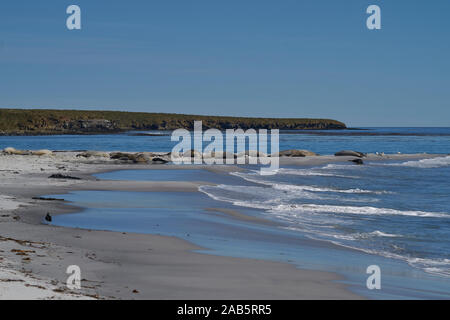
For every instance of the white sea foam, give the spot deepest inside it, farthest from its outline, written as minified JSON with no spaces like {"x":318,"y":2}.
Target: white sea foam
{"x":335,"y":221}
{"x":426,"y":163}
{"x":311,"y":172}
{"x":290,"y":187}
{"x":323,"y":189}
{"x":366,"y":210}
{"x":333,"y":166}
{"x":269,"y":201}
{"x":440,"y":262}
{"x":378,"y":233}
{"x":357,"y":236}
{"x":435,"y":266}
{"x":440,"y":267}
{"x":366,"y":235}
{"x":246,"y":196}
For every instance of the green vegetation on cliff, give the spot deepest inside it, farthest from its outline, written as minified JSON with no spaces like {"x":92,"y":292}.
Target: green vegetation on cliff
{"x":39,"y":121}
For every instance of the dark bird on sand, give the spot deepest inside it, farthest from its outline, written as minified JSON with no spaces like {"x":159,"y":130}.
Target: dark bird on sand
{"x":48,"y":217}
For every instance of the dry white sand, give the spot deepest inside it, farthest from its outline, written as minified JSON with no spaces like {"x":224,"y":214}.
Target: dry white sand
{"x":17,"y":284}
{"x":8,"y":203}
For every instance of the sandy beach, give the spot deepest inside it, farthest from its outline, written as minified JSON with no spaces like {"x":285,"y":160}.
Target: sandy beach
{"x":116,"y":265}
{"x":224,"y":150}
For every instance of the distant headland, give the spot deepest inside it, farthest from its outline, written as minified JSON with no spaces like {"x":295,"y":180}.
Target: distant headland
{"x":48,"y":122}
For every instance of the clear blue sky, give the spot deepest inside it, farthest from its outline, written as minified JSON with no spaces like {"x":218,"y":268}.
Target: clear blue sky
{"x":286,"y":58}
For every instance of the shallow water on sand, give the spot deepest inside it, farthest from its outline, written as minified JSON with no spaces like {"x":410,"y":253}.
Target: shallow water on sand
{"x":394,"y":223}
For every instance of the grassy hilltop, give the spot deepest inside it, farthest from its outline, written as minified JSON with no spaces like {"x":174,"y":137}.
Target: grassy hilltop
{"x":39,"y":121}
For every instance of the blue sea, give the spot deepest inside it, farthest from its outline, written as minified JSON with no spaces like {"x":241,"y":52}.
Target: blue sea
{"x":370,"y":140}
{"x":336,"y":217}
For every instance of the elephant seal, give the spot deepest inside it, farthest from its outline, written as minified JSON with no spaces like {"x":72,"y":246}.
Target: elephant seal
{"x":350,"y":153}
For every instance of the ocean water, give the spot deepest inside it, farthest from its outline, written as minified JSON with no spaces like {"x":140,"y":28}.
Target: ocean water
{"x":336,"y":217}
{"x":395,"y":209}
{"x":399,"y":210}
{"x":388,"y":140}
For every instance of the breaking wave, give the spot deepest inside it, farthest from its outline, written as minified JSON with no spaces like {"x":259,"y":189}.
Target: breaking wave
{"x":426,"y":163}
{"x":321,"y":205}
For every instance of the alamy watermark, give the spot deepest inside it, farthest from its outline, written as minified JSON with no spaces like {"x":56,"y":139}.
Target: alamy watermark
{"x":374,"y":280}
{"x":374,"y":20}
{"x":190,"y":149}
{"x":73,"y":22}
{"x":73,"y":281}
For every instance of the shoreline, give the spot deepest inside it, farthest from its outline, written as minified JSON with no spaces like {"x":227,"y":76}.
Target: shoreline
{"x":117,"y":262}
